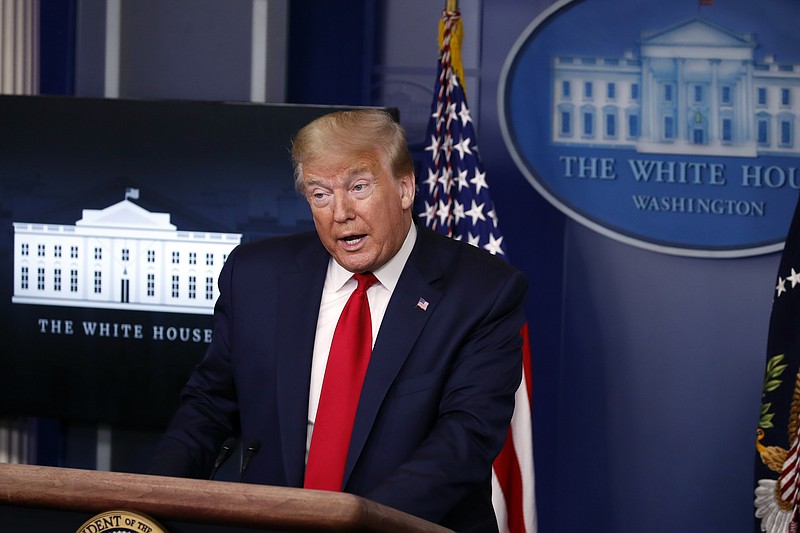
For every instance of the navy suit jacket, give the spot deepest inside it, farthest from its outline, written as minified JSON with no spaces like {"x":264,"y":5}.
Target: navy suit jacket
{"x":437,"y":397}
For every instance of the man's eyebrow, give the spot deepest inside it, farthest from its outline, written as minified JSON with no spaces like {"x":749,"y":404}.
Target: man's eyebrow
{"x":359,"y":171}
{"x":314,"y":182}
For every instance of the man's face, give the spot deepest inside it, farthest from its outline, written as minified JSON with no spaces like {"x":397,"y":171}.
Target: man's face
{"x":361,"y":212}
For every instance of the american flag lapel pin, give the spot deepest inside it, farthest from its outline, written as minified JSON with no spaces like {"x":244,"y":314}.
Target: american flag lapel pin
{"x":422,"y":304}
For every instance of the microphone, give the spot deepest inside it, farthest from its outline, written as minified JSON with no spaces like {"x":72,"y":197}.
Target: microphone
{"x":249,"y":453}
{"x":224,"y":453}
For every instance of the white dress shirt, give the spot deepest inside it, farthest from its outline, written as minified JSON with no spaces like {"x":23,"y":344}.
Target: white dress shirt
{"x":339,"y":284}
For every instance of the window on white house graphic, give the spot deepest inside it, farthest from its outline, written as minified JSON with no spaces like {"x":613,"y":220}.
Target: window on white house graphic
{"x":727,"y":130}
{"x":761,"y":96}
{"x":587,"y":122}
{"x":698,"y":94}
{"x":762,"y":130}
{"x":98,"y":282}
{"x":725,"y":97}
{"x":40,"y":278}
{"x":669,"y":127}
{"x":786,"y":128}
{"x":611,"y":124}
{"x":73,"y":280}
{"x":23,"y":278}
{"x":151,"y":285}
{"x":57,"y":280}
{"x":633,"y":125}
{"x":209,"y":288}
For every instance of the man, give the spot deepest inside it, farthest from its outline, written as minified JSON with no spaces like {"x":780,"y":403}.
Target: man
{"x":438,"y":393}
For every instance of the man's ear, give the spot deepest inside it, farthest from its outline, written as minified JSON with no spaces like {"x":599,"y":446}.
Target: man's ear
{"x":407,"y":191}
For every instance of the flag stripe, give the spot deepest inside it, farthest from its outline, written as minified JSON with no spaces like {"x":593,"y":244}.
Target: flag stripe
{"x":506,"y":468}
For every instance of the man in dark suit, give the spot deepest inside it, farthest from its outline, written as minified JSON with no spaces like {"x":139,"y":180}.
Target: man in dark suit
{"x":438,"y":394}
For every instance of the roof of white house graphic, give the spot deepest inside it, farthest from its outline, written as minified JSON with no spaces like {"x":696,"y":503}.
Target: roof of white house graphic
{"x":697,"y":33}
{"x":125,"y":214}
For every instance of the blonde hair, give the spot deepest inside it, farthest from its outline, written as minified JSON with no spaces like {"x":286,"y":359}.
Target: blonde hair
{"x":341,"y":137}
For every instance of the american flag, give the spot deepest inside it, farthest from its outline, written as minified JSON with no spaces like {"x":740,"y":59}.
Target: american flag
{"x":454,"y":200}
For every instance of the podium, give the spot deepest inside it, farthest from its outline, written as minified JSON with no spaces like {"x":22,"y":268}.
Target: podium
{"x":39,"y":494}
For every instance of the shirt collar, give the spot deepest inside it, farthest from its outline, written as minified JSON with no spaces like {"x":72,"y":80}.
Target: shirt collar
{"x":388,"y":275}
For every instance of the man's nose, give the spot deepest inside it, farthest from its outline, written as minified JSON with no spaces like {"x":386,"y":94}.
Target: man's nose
{"x":342,"y":207}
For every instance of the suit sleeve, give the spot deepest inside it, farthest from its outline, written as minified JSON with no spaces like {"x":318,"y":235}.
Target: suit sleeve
{"x":208,"y":410}
{"x":450,"y":469}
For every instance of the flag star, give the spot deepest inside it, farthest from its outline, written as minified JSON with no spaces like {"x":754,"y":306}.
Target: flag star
{"x":463,"y":147}
{"x":438,"y":113}
{"x":431,"y":181}
{"x":474,"y":240}
{"x":475,"y":212}
{"x":465,"y":116}
{"x":461,"y":179}
{"x":794,"y":278}
{"x":443,"y":212}
{"x":458,"y":211}
{"x":453,"y":78}
{"x":493,"y":215}
{"x":434,"y":146}
{"x":447,"y":145}
{"x":781,"y":288}
{"x":445,"y":180}
{"x":479,"y":181}
{"x":494,"y":246}
{"x":429,"y":214}
{"x":451,"y":113}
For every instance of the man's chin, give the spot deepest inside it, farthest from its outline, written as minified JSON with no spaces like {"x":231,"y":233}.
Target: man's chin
{"x":354,"y":262}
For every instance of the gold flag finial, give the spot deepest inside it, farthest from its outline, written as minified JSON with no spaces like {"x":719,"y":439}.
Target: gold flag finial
{"x":452,"y":5}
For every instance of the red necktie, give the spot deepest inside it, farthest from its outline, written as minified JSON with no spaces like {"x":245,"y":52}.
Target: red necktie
{"x":341,"y":387}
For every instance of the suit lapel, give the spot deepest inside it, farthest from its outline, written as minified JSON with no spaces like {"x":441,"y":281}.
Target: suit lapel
{"x":400,"y":328}
{"x":299,"y":294}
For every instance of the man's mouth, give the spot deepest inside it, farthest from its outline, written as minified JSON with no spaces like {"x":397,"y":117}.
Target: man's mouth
{"x":352,"y":240}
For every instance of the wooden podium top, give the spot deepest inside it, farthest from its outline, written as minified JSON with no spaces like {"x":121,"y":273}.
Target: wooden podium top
{"x":199,"y":501}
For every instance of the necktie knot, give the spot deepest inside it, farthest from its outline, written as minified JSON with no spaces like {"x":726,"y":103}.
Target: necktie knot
{"x":365,"y":280}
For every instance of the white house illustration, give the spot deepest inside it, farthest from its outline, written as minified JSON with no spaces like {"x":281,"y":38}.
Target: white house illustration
{"x":693,"y":88}
{"x":120,"y":257}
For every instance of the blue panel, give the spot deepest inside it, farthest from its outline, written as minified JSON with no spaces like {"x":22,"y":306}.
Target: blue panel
{"x":57,"y":47}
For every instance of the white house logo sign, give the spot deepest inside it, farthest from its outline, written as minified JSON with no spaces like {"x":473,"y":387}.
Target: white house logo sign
{"x":121,"y":257}
{"x":669,"y":126}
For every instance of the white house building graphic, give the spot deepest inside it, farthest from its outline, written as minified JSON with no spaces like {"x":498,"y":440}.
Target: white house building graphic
{"x":693,"y":88}
{"x":120,"y":257}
